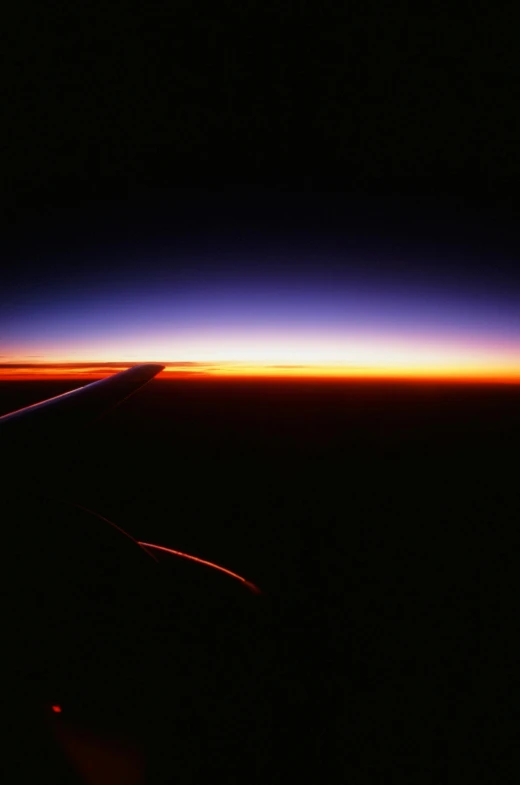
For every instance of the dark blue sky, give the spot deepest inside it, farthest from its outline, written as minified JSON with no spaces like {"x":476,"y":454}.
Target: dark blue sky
{"x":265,"y":279}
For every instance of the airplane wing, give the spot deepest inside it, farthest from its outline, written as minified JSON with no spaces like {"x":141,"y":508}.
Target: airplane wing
{"x":91,"y":612}
{"x":75,"y":408}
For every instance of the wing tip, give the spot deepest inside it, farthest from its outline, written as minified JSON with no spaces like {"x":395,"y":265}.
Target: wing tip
{"x":145,"y":370}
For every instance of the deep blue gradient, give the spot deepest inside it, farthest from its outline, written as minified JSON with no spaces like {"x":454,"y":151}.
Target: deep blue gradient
{"x":192,"y":290}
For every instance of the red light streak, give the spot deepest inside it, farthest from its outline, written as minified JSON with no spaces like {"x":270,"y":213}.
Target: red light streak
{"x":56,"y":709}
{"x":250,"y":586}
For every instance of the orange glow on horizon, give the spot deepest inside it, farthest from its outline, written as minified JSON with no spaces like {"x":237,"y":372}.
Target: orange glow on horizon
{"x":86,"y":372}
{"x":412,"y":373}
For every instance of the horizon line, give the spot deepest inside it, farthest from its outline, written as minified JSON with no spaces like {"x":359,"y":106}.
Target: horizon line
{"x":38,"y":371}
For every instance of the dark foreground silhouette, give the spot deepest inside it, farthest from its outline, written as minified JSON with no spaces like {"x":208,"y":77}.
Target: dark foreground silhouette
{"x":380,"y":522}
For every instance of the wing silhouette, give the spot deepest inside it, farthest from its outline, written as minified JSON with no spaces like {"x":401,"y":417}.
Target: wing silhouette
{"x":129,"y":640}
{"x":63,"y":413}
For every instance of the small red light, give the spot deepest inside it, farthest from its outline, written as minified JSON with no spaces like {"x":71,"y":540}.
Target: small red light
{"x":56,"y":709}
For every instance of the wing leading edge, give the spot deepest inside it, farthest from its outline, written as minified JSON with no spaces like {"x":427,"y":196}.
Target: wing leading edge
{"x":77,"y":407}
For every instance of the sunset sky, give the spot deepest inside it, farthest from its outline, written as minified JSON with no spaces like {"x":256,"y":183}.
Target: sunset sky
{"x":345,"y":204}
{"x":325,"y":303}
